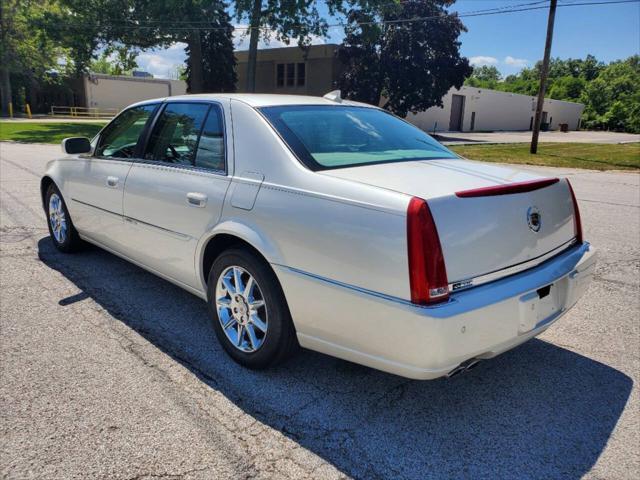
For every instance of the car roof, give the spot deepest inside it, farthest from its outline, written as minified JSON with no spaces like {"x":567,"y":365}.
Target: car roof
{"x":258,"y":99}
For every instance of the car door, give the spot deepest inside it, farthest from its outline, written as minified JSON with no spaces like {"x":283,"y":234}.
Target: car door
{"x":175,"y":194}
{"x":97,"y":186}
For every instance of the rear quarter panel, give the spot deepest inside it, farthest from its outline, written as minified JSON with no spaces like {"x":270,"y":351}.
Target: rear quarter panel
{"x":328,"y":227}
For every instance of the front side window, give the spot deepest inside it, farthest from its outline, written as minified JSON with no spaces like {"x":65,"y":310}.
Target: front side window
{"x":175,"y":136}
{"x":120,"y":137}
{"x":325,"y":137}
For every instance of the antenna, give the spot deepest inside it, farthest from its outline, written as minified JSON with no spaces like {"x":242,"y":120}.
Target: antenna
{"x":333,"y":96}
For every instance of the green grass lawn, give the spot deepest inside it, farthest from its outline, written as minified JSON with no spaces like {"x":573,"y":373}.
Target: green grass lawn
{"x":46,"y":132}
{"x":594,"y":156}
{"x":574,"y":155}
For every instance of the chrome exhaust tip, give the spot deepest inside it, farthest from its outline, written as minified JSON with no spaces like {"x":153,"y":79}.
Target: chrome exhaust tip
{"x":472,"y":364}
{"x":464,"y":367}
{"x":456,"y":371}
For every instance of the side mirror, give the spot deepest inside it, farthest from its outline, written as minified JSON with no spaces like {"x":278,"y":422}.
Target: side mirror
{"x":75,"y":145}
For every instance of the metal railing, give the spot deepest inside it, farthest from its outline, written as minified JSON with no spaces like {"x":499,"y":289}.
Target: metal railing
{"x":83,"y":112}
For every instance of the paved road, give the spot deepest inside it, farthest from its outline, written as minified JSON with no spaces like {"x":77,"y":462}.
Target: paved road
{"x":471,"y":138}
{"x":110,"y":372}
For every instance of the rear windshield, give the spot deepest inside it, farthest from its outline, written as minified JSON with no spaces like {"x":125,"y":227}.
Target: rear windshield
{"x":325,"y":137}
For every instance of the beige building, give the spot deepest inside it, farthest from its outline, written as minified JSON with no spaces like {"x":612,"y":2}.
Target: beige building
{"x":106,"y":92}
{"x":316,"y":71}
{"x":292,"y":70}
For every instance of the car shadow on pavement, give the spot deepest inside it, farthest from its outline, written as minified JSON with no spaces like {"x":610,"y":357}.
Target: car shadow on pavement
{"x":539,"y":411}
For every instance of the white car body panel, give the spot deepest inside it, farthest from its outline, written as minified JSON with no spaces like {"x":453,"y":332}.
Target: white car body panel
{"x":95,"y":188}
{"x":337,"y":241}
{"x":478,"y":235}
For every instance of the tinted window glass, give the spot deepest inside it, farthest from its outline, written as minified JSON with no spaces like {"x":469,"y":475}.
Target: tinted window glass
{"x":175,"y":136}
{"x":291,"y":74}
{"x":301,"y":74}
{"x":211,"y":146}
{"x":342,"y":136}
{"x":280,"y":75}
{"x":120,"y":137}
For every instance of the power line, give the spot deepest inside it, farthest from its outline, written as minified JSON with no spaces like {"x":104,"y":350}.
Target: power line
{"x":477,"y":13}
{"x":190,"y":23}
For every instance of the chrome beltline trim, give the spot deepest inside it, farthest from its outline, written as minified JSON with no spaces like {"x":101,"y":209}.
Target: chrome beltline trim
{"x":505,"y":272}
{"x":119,"y":215}
{"x":173,"y":233}
{"x":365,"y":291}
{"x":135,"y":221}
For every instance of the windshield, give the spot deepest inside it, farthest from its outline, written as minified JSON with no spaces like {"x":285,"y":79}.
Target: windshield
{"x":325,"y":137}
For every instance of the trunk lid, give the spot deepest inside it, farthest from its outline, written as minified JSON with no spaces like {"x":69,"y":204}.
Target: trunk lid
{"x":480,"y":235}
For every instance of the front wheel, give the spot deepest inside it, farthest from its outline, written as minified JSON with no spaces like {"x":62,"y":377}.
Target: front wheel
{"x":63,"y":234}
{"x":250,"y":314}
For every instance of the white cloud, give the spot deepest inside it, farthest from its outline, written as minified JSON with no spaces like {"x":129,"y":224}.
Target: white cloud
{"x":516,"y":62}
{"x":241,"y":40}
{"x":161,"y":62}
{"x":483,"y":60}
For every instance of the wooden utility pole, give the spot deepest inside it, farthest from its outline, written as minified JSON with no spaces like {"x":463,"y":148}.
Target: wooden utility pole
{"x":543,"y":77}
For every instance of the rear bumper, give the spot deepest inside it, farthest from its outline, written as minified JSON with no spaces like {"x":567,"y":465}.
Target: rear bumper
{"x":396,"y":336}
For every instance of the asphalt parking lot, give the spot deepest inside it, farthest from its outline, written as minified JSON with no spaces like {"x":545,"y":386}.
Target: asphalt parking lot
{"x":555,"y":136}
{"x":110,"y":372}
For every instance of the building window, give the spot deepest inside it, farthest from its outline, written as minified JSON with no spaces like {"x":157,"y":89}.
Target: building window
{"x":301,"y":75}
{"x":280,"y":75}
{"x":291,"y":74}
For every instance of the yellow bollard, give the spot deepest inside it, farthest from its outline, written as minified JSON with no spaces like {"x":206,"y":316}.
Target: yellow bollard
{"x":28,"y":109}
{"x":10,"y":109}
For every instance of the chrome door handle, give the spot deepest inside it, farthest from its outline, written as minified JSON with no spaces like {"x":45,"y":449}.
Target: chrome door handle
{"x":196,"y":199}
{"x":112,"y":181}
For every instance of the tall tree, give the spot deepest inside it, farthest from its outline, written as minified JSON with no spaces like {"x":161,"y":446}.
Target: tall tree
{"x":142,"y":24}
{"x":486,"y":73}
{"x":115,"y":60}
{"x":192,"y":22}
{"x":218,"y":61}
{"x":284,"y":19}
{"x":405,"y":54}
{"x":88,"y":27}
{"x":612,"y":99}
{"x":26,"y":49}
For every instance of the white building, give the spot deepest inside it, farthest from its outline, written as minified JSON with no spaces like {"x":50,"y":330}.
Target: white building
{"x":106,"y":92}
{"x":478,"y":109}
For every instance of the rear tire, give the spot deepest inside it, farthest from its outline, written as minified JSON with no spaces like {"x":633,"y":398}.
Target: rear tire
{"x":249,"y":311}
{"x":63,"y":234}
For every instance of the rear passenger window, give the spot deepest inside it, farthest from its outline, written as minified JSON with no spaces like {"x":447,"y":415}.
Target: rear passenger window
{"x":175,"y":136}
{"x":210,"y":153}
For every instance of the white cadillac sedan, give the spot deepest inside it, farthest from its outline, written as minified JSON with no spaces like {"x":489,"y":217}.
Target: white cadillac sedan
{"x":325,"y":224}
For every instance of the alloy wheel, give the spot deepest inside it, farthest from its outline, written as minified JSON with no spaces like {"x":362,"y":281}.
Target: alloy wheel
{"x":57,"y":218}
{"x":242,"y":311}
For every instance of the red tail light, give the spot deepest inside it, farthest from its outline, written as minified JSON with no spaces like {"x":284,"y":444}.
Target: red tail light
{"x":577,"y":223}
{"x":427,"y":272}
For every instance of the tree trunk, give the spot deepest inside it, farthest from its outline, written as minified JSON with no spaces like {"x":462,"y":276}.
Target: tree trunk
{"x":196,"y":84}
{"x":5,"y":90}
{"x":254,"y":36}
